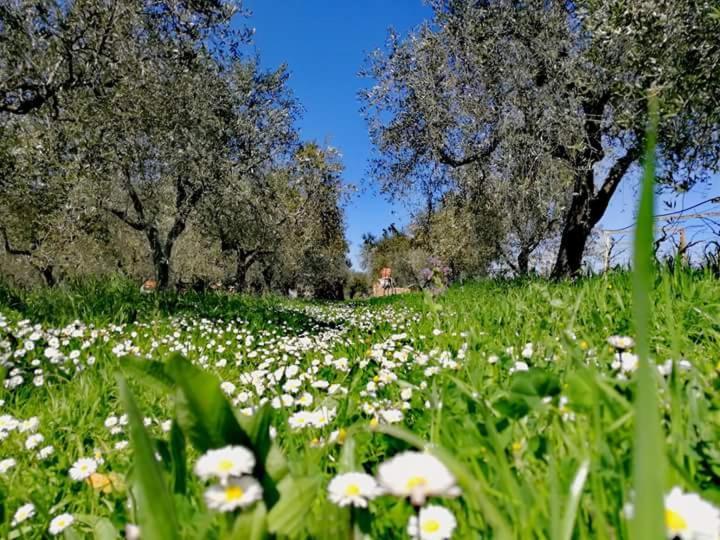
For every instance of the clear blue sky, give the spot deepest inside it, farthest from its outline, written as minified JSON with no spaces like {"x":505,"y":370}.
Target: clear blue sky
{"x":324,"y":43}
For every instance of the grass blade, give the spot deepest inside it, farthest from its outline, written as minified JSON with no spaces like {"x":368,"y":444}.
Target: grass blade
{"x":157,"y":512}
{"x":576,"y":489}
{"x":648,"y":459}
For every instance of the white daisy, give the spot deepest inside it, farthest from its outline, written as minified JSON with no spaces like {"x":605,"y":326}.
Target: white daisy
{"x":33,"y":441}
{"x":621,"y":342}
{"x":688,"y":517}
{"x":31,"y":425}
{"x":6,"y":465}
{"x":46,"y":452}
{"x":434,"y":523}
{"x":60,"y":523}
{"x":25,"y":512}
{"x":418,"y":476}
{"x":301,"y":419}
{"x":225,"y":462}
{"x":83,"y":468}
{"x":236,"y":493}
{"x":353,"y":489}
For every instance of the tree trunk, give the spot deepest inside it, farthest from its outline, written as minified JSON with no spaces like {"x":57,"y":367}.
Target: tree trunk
{"x":47,"y":274}
{"x":245,"y":260}
{"x":162,"y":269}
{"x":575,"y":232}
{"x":586,"y":210}
{"x":161,"y":257}
{"x":268,"y":275}
{"x":523,"y":261}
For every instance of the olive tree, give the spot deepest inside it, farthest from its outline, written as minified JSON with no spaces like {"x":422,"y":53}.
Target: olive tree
{"x":572,"y":75}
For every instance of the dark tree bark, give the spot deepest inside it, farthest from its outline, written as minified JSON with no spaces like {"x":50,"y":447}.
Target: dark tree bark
{"x":46,"y":270}
{"x":523,"y":261}
{"x":586,"y":210}
{"x":587,"y":206}
{"x":245,"y":259}
{"x":48,"y":276}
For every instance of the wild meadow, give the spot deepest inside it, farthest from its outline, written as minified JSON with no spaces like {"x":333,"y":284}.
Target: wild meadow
{"x":112,"y":398}
{"x":543,"y":376}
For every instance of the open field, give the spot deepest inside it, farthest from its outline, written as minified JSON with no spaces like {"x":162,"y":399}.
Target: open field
{"x":515,"y":380}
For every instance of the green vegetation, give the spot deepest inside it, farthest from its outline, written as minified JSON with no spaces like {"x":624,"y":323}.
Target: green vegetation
{"x":448,"y":372}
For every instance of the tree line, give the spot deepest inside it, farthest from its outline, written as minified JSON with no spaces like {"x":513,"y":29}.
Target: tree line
{"x":140,"y":137}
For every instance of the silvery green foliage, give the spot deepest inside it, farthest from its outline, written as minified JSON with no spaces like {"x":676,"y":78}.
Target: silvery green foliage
{"x":122,"y":118}
{"x":569,"y":79}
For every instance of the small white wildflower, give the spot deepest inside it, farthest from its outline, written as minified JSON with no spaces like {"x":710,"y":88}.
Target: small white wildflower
{"x":60,"y":523}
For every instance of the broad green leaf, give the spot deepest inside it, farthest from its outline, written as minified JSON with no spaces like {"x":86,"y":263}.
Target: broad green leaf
{"x":149,"y":372}
{"x":514,"y":407}
{"x":203,"y":412}
{"x":69,"y":534}
{"x":297,"y":496}
{"x":535,"y":382}
{"x":250,"y":524}
{"x":157,"y":517}
{"x":208,"y":421}
{"x":276,"y":464}
{"x":178,"y":459}
{"x":649,"y":452}
{"x":257,"y":428}
{"x":104,"y":530}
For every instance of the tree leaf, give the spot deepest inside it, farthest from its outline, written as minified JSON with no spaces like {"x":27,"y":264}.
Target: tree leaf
{"x":156,"y":510}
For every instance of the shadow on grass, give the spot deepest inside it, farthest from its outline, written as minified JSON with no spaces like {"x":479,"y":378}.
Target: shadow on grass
{"x":120,"y":301}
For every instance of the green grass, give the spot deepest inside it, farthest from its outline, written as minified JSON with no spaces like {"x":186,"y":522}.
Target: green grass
{"x":515,"y":441}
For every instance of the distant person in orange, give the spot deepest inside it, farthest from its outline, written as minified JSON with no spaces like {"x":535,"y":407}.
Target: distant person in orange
{"x":386,"y":280}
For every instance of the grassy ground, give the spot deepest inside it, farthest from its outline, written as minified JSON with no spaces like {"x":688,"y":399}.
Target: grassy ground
{"x":450,"y":371}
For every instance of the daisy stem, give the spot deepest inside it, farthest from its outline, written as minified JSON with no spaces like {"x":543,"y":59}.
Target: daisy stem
{"x":418,"y":533}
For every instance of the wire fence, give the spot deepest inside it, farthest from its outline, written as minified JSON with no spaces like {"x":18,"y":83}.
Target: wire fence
{"x":692,"y":235}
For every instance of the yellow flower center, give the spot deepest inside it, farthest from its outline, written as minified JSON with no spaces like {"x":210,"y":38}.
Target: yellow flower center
{"x":416,"y":481}
{"x":352,"y":490}
{"x":233,"y":493}
{"x":674,"y":522}
{"x":430,"y":525}
{"x":225,"y":465}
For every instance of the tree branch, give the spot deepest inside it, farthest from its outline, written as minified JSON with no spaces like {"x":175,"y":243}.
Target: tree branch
{"x":447,"y":159}
{"x":126,"y":219}
{"x":601,"y":199}
{"x":10,"y":249}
